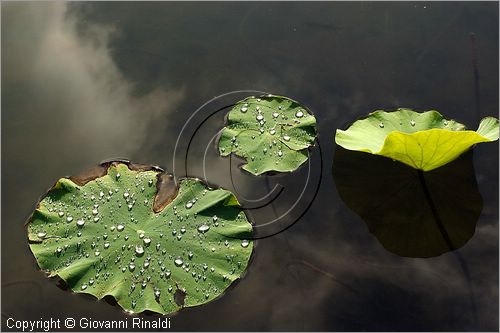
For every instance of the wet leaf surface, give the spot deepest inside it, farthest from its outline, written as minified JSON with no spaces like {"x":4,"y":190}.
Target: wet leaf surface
{"x":104,"y":238}
{"x":272,"y":133}
{"x":424,"y":141}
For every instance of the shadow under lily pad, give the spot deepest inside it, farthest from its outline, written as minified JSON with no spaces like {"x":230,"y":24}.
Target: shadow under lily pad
{"x":412,"y":213}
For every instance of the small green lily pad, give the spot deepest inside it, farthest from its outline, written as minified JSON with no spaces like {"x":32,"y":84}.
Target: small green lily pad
{"x":129,"y":232}
{"x":272,"y":133}
{"x":424,"y":141}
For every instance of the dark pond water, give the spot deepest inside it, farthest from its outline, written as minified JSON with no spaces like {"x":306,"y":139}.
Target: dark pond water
{"x":84,"y":82}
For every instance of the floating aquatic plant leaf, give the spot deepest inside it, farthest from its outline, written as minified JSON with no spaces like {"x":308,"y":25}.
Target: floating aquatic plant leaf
{"x":128,"y":231}
{"x":424,"y":141}
{"x":272,"y":133}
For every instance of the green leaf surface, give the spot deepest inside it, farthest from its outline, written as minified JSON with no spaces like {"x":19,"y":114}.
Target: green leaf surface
{"x":272,"y":133}
{"x":424,"y":141}
{"x":119,"y":235}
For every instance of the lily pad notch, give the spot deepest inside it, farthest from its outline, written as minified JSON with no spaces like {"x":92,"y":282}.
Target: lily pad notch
{"x":127,"y":231}
{"x":424,"y":141}
{"x":271,"y":133}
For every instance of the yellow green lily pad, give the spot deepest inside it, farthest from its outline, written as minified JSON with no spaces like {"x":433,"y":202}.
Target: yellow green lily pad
{"x":424,"y":141}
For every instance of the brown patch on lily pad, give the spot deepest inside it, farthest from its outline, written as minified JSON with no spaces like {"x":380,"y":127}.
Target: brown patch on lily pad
{"x":166,"y":191}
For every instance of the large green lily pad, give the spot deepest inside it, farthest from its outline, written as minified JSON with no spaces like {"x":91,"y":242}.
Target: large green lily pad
{"x":424,"y":141}
{"x":272,"y":133}
{"x":129,"y":232}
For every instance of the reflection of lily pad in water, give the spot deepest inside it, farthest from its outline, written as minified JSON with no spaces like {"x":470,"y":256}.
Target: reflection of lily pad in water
{"x":424,"y":141}
{"x":127,"y":231}
{"x":408,"y":217}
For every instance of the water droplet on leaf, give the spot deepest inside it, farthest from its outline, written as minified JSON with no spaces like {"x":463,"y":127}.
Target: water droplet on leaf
{"x":203,"y":228}
{"x":178,"y":262}
{"x":139,"y":250}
